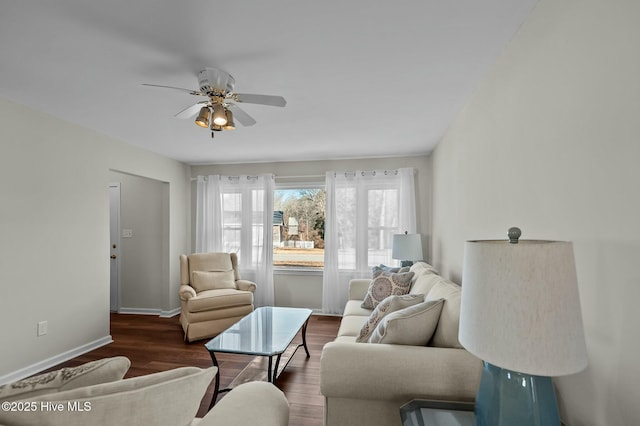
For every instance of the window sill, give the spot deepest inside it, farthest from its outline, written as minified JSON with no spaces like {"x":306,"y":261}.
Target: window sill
{"x":292,"y":270}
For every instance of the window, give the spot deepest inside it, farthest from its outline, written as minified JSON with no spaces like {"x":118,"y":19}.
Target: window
{"x":377,"y":205}
{"x":298,"y":227}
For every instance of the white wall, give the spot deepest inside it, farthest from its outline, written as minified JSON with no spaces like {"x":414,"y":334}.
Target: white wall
{"x":305,"y":290}
{"x":549,"y":143}
{"x":54,"y":230}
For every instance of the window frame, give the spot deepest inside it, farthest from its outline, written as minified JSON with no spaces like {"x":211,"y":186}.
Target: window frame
{"x":293,"y":185}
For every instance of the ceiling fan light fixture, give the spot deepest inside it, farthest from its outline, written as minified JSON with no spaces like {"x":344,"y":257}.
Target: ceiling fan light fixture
{"x":215,"y":127}
{"x":219,"y":116}
{"x":230,"y":124}
{"x":203,"y":117}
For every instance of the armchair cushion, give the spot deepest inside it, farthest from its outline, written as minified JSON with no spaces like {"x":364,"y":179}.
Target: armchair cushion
{"x":100,"y":371}
{"x":212,"y":280}
{"x":167,"y":398}
{"x":210,"y":300}
{"x":252,"y":403}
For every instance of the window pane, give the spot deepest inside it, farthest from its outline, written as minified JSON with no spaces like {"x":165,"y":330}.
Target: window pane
{"x":298,"y":227}
{"x":382,"y":217}
{"x":231,"y":222}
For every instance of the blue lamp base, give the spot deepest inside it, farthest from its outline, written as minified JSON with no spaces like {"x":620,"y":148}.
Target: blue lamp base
{"x":508,"y":398}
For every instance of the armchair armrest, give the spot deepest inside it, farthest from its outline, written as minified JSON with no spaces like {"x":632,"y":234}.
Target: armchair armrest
{"x":358,"y":288}
{"x":252,"y":403}
{"x":398,"y":373}
{"x":246,"y":285}
{"x":186,"y":292}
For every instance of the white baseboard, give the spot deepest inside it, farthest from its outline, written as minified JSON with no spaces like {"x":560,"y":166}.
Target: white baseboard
{"x":150,"y":311}
{"x":55,"y":360}
{"x":170,"y":314}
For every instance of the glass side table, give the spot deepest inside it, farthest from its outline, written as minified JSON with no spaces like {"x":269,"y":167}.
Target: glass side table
{"x":423,"y":412}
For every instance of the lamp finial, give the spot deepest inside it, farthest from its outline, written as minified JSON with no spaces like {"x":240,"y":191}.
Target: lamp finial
{"x":514,"y":233}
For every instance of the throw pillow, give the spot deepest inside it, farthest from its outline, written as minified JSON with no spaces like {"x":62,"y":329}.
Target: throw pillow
{"x":385,"y":268}
{"x":94,"y":372}
{"x":409,"y":326}
{"x":385,"y":284}
{"x":388,"y":305}
{"x":212,"y":280}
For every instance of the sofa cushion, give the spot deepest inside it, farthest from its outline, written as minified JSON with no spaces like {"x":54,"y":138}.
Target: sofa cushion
{"x":354,"y":307}
{"x":388,"y":305}
{"x":212,"y":280}
{"x":425,"y":282}
{"x":409,"y":326}
{"x":385,"y":284}
{"x":351,"y":325}
{"x":167,"y":398}
{"x":446,"y":334}
{"x":94,"y":372}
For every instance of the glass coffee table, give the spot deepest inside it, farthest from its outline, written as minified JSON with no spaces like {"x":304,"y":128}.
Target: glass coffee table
{"x":265,"y":332}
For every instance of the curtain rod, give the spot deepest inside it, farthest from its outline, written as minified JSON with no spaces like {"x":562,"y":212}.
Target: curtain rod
{"x":284,"y":177}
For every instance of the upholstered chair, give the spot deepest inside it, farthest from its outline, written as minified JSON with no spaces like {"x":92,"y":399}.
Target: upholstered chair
{"x":212,"y":295}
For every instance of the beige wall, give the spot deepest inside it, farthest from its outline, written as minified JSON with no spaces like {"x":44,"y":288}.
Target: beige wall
{"x":305,"y":290}
{"x":550,"y":143}
{"x":54,"y":229}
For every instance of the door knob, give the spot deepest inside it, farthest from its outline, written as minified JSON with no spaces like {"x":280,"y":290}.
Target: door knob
{"x":113,"y":256}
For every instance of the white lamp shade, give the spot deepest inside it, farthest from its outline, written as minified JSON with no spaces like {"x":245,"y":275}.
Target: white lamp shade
{"x":407,"y":247}
{"x":520,"y":307}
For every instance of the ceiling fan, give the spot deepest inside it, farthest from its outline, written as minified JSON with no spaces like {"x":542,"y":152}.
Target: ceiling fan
{"x":219,"y":110}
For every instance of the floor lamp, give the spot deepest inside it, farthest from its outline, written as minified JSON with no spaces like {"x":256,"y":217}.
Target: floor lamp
{"x":520,"y":314}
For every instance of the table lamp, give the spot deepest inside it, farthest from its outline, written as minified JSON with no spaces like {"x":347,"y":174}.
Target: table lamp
{"x":520,"y":314}
{"x":406,"y":248}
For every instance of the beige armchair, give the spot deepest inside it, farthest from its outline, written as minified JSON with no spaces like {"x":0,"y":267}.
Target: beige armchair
{"x":212,"y":295}
{"x":95,"y":394}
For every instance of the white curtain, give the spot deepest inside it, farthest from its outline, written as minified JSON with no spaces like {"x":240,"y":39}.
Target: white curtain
{"x":364,"y":209}
{"x":234,"y":214}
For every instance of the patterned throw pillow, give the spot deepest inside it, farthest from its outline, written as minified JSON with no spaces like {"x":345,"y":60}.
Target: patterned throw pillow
{"x":94,"y":372}
{"x":410,"y":326}
{"x":388,"y":305}
{"x":385,"y":284}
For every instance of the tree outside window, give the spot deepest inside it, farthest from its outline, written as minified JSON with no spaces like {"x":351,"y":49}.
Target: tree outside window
{"x":298,"y":227}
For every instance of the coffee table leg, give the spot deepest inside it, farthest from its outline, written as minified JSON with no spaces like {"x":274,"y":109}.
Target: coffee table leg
{"x":216,"y":386}
{"x":304,"y":337}
{"x":269,"y":376}
{"x":275,"y":371}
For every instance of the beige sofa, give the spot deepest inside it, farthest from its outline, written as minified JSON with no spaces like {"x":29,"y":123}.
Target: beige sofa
{"x":367,"y":383}
{"x":95,"y":394}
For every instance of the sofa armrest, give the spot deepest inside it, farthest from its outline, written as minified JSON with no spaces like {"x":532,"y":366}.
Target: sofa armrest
{"x":358,"y":288}
{"x":246,"y":285}
{"x":252,"y":403}
{"x":186,"y":292}
{"x":398,"y":373}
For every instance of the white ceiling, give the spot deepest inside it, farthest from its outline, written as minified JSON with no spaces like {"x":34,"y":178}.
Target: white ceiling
{"x":361,"y":78}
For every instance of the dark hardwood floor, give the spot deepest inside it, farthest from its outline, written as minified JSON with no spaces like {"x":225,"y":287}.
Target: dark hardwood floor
{"x":156,"y":344}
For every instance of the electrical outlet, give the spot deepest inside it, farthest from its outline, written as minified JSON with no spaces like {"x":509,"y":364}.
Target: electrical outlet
{"x":42,"y":328}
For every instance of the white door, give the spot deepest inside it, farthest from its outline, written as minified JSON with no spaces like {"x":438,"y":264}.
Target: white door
{"x":114,"y":245}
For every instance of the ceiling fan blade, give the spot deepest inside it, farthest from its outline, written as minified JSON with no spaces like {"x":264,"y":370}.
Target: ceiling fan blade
{"x":191,"y":111}
{"x":250,"y":98}
{"x":192,"y":92}
{"x":242,"y":117}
